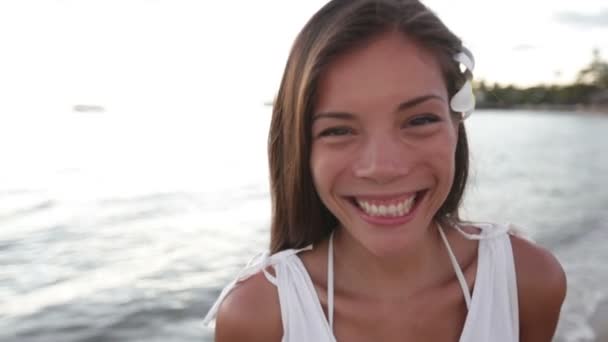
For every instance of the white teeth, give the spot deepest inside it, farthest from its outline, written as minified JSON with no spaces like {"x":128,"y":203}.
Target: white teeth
{"x":393,"y":210}
{"x":382,"y":209}
{"x":374,"y":210}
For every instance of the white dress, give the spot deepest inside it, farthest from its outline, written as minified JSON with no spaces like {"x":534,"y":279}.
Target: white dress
{"x":493,"y":313}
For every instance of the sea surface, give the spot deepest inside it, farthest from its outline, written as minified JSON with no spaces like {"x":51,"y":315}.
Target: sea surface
{"x":117,"y":229}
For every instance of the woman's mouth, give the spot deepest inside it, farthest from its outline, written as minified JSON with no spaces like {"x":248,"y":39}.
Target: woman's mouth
{"x":388,"y":210}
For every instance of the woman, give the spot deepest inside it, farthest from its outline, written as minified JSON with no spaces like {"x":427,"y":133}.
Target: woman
{"x":369,"y":160}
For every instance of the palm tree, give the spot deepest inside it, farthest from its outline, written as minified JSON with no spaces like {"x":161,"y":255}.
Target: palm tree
{"x":596,"y":73}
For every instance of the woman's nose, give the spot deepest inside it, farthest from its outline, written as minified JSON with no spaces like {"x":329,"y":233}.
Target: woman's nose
{"x":383,"y":159}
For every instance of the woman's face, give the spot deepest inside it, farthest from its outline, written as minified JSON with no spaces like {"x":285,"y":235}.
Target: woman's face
{"x":383,"y":142}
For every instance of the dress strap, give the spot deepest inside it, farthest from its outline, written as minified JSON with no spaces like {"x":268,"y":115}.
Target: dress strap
{"x":330,"y":282}
{"x":461,"y":279}
{"x":258,"y":263}
{"x":488,"y":231}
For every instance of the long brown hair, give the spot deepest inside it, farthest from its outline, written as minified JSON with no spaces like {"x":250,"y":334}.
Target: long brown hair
{"x":299,"y":217}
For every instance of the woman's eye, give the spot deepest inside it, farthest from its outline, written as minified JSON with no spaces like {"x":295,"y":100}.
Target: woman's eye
{"x":336,"y":132}
{"x":423,"y":120}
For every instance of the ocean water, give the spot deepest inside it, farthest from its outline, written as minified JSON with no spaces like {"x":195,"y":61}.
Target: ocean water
{"x":115,"y":229}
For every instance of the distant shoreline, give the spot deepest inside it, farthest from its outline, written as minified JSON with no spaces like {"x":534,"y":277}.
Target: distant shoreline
{"x":597,"y":109}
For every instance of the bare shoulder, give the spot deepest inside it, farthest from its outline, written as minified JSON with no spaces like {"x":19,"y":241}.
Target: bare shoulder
{"x":251,"y":312}
{"x":541,"y":287}
{"x":540,"y":276}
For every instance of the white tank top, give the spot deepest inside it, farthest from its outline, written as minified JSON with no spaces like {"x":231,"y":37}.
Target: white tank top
{"x":493,"y":313}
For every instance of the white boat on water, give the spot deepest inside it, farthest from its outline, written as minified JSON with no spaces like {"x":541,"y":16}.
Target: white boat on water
{"x":89,"y":108}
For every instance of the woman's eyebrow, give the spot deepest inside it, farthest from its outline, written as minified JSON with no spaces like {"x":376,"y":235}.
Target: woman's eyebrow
{"x":416,"y":101}
{"x":401,"y":107}
{"x":333,"y":115}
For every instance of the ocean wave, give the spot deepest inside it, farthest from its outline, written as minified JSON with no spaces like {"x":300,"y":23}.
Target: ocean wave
{"x":28,"y":210}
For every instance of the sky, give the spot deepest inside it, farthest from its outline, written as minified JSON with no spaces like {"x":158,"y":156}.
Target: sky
{"x":182,"y":55}
{"x":184,"y":82}
{"x":528,"y":42}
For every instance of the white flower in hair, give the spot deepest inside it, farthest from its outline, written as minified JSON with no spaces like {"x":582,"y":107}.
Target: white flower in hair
{"x":464,"y":100}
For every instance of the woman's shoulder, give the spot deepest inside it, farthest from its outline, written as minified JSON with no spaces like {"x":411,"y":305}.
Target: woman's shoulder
{"x":251,"y":312}
{"x":541,"y":287}
{"x":538,"y":270}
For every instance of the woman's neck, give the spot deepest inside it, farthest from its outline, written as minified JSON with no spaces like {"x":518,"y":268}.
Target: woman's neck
{"x":359,"y":271}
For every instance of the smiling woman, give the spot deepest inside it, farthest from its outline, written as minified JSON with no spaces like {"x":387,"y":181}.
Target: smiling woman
{"x":369,"y":160}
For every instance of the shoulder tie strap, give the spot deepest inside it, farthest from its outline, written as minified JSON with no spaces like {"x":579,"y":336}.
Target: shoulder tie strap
{"x":461,"y":279}
{"x":258,"y":263}
{"x":488,"y":231}
{"x":330,"y":282}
